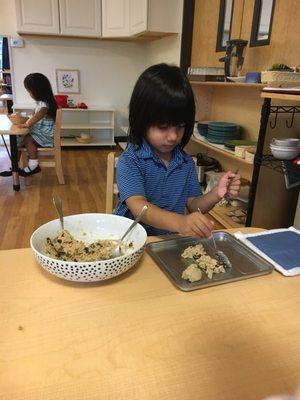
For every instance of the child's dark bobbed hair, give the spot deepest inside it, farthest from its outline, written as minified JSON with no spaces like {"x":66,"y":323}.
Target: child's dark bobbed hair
{"x":41,"y":90}
{"x":162,"y":96}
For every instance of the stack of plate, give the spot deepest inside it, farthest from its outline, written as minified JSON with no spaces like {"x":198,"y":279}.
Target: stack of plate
{"x":202,"y":127}
{"x":221,"y":132}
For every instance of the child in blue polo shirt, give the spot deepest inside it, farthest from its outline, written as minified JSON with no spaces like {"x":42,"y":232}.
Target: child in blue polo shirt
{"x":154,"y":170}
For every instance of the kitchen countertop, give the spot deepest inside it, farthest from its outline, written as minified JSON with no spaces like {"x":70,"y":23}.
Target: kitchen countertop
{"x":138,"y":337}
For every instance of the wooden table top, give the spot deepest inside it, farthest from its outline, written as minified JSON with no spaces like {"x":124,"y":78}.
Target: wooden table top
{"x":8,"y":128}
{"x":138,"y":337}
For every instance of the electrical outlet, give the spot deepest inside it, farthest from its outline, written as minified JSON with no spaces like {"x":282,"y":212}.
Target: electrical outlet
{"x":17,"y":42}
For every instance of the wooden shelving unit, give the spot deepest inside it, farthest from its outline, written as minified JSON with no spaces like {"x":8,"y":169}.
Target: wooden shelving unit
{"x":98,"y":122}
{"x":6,"y":90}
{"x":219,"y":212}
{"x":229,"y":84}
{"x":280,"y":96}
{"x":218,"y":147}
{"x":229,"y":102}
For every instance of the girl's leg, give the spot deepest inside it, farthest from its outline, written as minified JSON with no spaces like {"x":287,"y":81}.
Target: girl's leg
{"x":31,"y":147}
{"x":33,"y":163}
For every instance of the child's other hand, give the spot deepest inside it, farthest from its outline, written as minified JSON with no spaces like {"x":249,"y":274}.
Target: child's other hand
{"x":196,"y":224}
{"x":229,"y":185}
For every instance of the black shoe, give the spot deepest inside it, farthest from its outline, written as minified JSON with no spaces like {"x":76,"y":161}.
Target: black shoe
{"x":36,"y":170}
{"x":6,"y":173}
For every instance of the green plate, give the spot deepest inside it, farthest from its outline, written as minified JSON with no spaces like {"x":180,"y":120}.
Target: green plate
{"x":232,"y":143}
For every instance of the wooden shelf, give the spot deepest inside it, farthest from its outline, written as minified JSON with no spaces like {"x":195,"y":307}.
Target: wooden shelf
{"x":280,"y":96}
{"x":219,"y":213}
{"x":219,"y":148}
{"x":89,"y":109}
{"x":100,"y":142}
{"x":229,"y":84}
{"x":87,"y":126}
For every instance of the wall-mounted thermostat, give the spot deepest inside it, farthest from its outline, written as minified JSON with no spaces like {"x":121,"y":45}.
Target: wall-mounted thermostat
{"x":17,"y":42}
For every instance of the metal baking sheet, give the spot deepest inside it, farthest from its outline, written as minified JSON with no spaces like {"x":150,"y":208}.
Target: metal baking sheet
{"x":245,"y":263}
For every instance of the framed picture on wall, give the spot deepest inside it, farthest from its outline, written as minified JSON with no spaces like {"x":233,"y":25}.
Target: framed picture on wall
{"x":67,"y":81}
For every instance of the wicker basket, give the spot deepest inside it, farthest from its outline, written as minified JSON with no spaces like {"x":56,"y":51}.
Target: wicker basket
{"x":17,"y":119}
{"x":84,"y":140}
{"x":249,"y":155}
{"x":280,"y":78}
{"x":240,"y":151}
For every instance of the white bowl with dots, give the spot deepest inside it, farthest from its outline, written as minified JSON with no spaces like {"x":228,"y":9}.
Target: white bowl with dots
{"x":89,"y":228}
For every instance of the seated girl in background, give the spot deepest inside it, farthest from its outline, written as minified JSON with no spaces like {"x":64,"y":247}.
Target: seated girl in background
{"x":41,"y":124}
{"x":154,"y":170}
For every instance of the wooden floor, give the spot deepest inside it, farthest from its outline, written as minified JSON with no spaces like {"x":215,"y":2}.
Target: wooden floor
{"x":84,"y":192}
{"x":24,"y":211}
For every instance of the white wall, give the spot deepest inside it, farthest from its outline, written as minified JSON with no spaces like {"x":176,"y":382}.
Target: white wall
{"x":108,"y":69}
{"x":168,"y":49}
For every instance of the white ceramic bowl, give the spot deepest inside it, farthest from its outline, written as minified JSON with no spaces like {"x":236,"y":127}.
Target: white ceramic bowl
{"x":88,"y":228}
{"x":289,"y":142}
{"x":284,"y":153}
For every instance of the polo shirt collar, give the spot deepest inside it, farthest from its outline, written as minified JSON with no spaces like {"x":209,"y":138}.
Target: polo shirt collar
{"x":145,"y":151}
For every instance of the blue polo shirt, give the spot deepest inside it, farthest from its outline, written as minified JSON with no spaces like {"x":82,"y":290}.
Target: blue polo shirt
{"x":140,"y":172}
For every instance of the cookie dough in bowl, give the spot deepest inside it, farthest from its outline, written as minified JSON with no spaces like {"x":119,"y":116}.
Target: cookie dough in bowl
{"x":86,"y":234}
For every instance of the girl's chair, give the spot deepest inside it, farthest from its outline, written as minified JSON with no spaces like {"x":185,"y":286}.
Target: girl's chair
{"x":111,"y":186}
{"x":52,"y":154}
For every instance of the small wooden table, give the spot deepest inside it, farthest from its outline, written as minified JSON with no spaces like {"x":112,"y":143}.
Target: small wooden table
{"x":137,"y":337}
{"x":8,"y":128}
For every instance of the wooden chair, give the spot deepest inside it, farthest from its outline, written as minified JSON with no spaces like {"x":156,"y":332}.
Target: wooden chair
{"x":111,"y":186}
{"x":52,"y":154}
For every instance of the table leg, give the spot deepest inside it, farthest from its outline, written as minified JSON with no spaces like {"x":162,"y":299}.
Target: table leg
{"x":14,"y":161}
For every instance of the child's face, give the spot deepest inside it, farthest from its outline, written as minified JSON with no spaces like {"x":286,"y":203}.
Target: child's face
{"x":165,"y":138}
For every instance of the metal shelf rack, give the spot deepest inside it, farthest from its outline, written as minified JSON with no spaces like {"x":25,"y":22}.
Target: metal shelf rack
{"x":261,"y":159}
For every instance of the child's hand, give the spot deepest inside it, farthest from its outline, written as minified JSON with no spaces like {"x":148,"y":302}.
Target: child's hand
{"x":22,"y":126}
{"x":229,"y":185}
{"x":196,"y":224}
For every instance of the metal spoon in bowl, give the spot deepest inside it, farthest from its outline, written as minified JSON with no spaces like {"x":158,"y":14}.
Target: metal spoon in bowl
{"x":117,"y":250}
{"x":58,"y":207}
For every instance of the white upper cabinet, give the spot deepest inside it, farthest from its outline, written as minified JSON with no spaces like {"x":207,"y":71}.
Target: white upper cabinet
{"x":80,"y":17}
{"x":138,"y":16}
{"x":38,"y":16}
{"x":129,"y":18}
{"x":115,"y":18}
{"x":59,"y":17}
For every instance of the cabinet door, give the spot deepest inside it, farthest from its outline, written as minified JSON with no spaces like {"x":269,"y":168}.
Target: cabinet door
{"x":138,"y":16}
{"x":115,"y":18}
{"x":37,"y":16}
{"x":80,"y":17}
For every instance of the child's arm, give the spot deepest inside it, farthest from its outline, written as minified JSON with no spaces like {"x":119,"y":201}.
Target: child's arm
{"x":228,"y":185}
{"x":35,"y":118}
{"x":194,"y":224}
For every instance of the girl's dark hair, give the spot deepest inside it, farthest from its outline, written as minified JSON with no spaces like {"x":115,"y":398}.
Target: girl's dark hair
{"x":162,"y":96}
{"x":41,"y":90}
